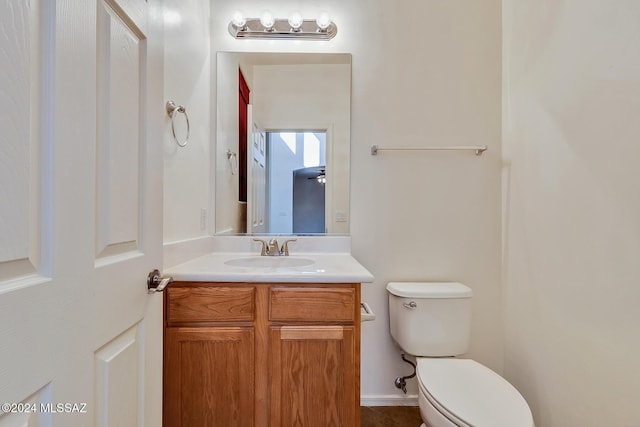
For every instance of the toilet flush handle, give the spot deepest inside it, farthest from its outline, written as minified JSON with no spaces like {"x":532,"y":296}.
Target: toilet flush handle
{"x":410,"y":305}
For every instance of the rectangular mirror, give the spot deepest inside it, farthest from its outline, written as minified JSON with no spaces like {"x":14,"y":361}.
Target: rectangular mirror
{"x":282,"y":143}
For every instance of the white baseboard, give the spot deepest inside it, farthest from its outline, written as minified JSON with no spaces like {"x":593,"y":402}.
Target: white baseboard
{"x":389,"y":400}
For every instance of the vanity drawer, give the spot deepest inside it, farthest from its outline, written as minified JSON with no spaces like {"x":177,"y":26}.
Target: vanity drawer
{"x":210,"y":304}
{"x":313,"y":304}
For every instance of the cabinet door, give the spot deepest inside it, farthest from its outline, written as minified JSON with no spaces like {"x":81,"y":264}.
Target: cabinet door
{"x":314,"y":376}
{"x":209,"y":377}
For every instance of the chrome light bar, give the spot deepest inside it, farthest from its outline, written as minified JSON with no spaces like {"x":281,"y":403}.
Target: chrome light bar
{"x":308,"y":29}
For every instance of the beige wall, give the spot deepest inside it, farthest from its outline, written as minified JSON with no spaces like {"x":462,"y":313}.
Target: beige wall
{"x":424,"y":73}
{"x":572,"y":209}
{"x":569,"y":302}
{"x":187,"y":70}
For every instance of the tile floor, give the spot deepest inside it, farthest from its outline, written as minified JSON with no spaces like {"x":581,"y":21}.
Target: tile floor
{"x":390,"y":416}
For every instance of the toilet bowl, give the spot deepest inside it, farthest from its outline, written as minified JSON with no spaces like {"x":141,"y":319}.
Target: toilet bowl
{"x":462,"y":392}
{"x":432,"y":321}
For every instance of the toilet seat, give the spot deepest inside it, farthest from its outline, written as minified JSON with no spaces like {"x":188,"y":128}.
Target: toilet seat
{"x":470,"y":394}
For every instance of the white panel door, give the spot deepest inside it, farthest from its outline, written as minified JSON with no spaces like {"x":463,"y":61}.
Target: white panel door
{"x":82,"y":117}
{"x":256,"y":176}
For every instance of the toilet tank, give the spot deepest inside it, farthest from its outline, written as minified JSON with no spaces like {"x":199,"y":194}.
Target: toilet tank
{"x":430,"y":319}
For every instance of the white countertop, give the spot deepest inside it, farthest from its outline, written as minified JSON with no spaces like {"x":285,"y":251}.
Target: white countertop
{"x":325,"y":268}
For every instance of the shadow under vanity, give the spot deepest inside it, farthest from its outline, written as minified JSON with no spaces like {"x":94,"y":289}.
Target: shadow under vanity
{"x":254,"y":345}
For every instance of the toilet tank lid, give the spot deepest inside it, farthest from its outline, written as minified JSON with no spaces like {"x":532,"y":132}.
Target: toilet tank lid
{"x":429,"y":289}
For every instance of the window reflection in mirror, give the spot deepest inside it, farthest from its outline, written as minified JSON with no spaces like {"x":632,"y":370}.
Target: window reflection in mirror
{"x":292,"y":97}
{"x":296,"y":181}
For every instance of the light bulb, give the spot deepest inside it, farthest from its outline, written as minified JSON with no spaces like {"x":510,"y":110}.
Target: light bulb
{"x":323,"y":21}
{"x":267,"y":20}
{"x":295,"y":20}
{"x":238,"y":19}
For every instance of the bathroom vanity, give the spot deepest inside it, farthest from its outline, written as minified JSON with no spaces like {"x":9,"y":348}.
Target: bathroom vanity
{"x":253,"y":341}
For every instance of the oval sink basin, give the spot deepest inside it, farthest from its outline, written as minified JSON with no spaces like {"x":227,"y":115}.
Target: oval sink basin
{"x":269,"y":262}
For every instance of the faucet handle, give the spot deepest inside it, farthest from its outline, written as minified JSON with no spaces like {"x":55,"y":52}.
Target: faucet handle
{"x":263,"y":251}
{"x":284,"y":250}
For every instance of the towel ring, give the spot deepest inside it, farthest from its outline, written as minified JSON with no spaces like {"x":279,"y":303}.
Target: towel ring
{"x":233,"y":163}
{"x":172,"y":109}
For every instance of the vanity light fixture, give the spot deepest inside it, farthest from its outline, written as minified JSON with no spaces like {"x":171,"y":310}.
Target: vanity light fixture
{"x":294,"y":27}
{"x":267,"y":20}
{"x":238,"y":20}
{"x":323,"y":21}
{"x":295,"y":20}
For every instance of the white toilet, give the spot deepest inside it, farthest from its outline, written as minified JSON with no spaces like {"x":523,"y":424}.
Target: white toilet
{"x":432,"y":321}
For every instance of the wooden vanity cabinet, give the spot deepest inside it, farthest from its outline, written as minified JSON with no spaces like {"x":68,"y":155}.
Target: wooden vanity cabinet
{"x":264,"y":354}
{"x":209,"y":343}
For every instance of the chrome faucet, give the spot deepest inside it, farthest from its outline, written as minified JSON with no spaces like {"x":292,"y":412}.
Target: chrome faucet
{"x":271,"y":248}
